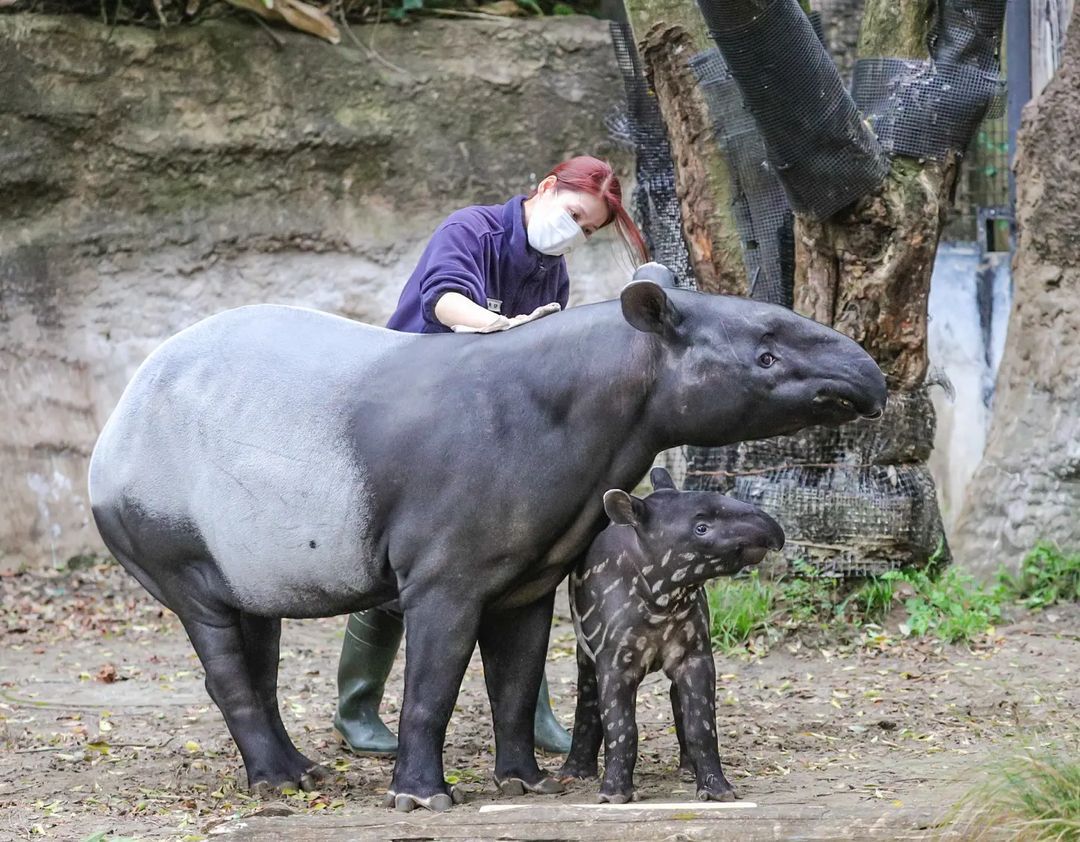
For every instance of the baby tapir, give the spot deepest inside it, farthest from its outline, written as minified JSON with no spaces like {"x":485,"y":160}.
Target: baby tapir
{"x":639,"y":606}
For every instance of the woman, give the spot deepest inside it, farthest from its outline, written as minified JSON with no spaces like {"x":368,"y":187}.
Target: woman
{"x":487,"y":268}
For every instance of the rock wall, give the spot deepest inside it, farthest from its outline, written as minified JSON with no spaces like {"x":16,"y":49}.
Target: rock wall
{"x":1027,"y":487}
{"x":148,"y":179}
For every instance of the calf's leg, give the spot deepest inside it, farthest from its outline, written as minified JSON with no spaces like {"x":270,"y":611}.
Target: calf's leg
{"x":618,"y":702}
{"x":585,"y":745}
{"x":696,"y":680}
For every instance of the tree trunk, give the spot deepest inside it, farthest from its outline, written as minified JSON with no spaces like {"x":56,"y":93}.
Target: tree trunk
{"x":1027,"y":487}
{"x":867,"y":271}
{"x":864,"y":270}
{"x":668,"y":35}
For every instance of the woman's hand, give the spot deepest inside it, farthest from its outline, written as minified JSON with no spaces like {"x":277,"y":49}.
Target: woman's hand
{"x":503,"y":323}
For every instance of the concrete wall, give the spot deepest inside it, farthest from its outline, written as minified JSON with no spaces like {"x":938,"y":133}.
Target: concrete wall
{"x":148,"y":179}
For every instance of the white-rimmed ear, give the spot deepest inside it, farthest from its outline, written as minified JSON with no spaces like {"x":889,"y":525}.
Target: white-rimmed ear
{"x":658,"y":273}
{"x":647,"y":307}
{"x":623,"y":509}
{"x":660,"y":478}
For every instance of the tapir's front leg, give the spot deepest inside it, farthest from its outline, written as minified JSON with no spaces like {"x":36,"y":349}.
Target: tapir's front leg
{"x":440,"y":638}
{"x":618,"y":702}
{"x":588,"y":734}
{"x":513,"y":644}
{"x":695,"y":678}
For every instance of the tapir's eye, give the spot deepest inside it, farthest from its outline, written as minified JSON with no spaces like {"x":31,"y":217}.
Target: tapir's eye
{"x":701,"y":528}
{"x":766,"y":360}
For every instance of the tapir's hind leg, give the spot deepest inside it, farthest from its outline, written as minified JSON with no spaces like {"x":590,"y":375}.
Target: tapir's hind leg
{"x":514,"y":645}
{"x":261,"y":636}
{"x":239,"y":651}
{"x":246,"y":698}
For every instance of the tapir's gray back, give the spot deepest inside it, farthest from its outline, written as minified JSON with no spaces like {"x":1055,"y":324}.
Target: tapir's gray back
{"x":239,"y":427}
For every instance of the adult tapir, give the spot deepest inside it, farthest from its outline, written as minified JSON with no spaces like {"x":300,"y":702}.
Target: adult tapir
{"x":274,"y":462}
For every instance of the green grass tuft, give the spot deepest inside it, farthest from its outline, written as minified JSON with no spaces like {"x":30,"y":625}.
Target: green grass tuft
{"x":1032,"y":797}
{"x":1046,"y":577}
{"x":740,"y":608}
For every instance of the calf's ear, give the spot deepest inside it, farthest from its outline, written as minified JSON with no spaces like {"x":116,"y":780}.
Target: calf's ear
{"x":647,"y":308}
{"x":623,"y":509}
{"x":660,"y":478}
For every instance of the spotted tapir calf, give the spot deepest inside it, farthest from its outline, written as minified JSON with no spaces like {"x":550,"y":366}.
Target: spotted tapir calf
{"x":639,"y":606}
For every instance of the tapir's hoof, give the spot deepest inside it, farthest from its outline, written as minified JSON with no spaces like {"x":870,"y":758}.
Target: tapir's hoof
{"x":566,"y":775}
{"x":719,"y":795}
{"x":512,"y":787}
{"x":405,"y":803}
{"x":264,"y":789}
{"x":309,"y":781}
{"x":617,"y":797}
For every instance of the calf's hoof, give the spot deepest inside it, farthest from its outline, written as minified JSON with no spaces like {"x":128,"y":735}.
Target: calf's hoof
{"x":512,"y":787}
{"x":716,"y":795}
{"x":716,"y":788}
{"x":617,"y":797}
{"x":403,"y":802}
{"x":570,"y":772}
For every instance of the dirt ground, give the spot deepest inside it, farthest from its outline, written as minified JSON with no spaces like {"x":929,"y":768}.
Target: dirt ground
{"x":106,"y":727}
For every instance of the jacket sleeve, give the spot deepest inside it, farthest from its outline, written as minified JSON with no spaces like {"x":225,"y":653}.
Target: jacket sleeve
{"x":456,"y":263}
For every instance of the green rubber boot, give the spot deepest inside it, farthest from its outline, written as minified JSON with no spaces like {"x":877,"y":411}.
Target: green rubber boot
{"x":371,"y":643}
{"x":548,"y":734}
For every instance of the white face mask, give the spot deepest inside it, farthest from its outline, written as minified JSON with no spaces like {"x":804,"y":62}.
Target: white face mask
{"x":552,"y":229}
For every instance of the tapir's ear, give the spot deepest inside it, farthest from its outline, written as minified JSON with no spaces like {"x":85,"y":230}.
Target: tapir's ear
{"x":623,"y":508}
{"x":658,"y":273}
{"x":660,"y":478}
{"x":647,"y":307}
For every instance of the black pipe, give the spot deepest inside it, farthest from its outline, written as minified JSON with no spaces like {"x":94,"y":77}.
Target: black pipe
{"x":1018,"y":72}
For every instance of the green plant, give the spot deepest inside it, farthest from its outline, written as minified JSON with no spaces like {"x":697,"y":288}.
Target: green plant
{"x":1029,"y":797}
{"x":740,"y":608}
{"x":1046,"y":576}
{"x":808,"y":596}
{"x":869,"y":602}
{"x":948,"y":605}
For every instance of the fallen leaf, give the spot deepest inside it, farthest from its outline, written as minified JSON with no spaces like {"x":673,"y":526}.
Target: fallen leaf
{"x":297,"y":14}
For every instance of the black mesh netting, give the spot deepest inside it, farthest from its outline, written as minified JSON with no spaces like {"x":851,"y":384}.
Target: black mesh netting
{"x":762,"y":214}
{"x":654,"y":199}
{"x":925,"y":109}
{"x":855,"y":500}
{"x":816,"y":141}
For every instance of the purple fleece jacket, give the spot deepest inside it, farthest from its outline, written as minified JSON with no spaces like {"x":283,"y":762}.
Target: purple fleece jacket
{"x":483,"y":253}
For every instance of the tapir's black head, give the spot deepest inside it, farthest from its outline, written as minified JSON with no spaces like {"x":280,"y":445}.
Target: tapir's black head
{"x":690,"y":537}
{"x":734,"y":369}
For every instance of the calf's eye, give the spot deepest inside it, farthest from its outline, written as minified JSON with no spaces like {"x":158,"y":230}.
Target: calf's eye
{"x":701,"y":529}
{"x":766,"y":360}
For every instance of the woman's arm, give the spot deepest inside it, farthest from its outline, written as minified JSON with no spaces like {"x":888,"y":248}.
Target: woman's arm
{"x":453,"y":308}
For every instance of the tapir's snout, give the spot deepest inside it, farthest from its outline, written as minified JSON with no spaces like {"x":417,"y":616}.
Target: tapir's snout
{"x":774,"y":533}
{"x":857,"y":389}
{"x":760,"y":533}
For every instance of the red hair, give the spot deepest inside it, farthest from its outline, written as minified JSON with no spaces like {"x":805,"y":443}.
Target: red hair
{"x":587,"y":174}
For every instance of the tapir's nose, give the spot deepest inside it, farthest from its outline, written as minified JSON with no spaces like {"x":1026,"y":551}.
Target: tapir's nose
{"x":774,"y":534}
{"x":871,"y":388}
